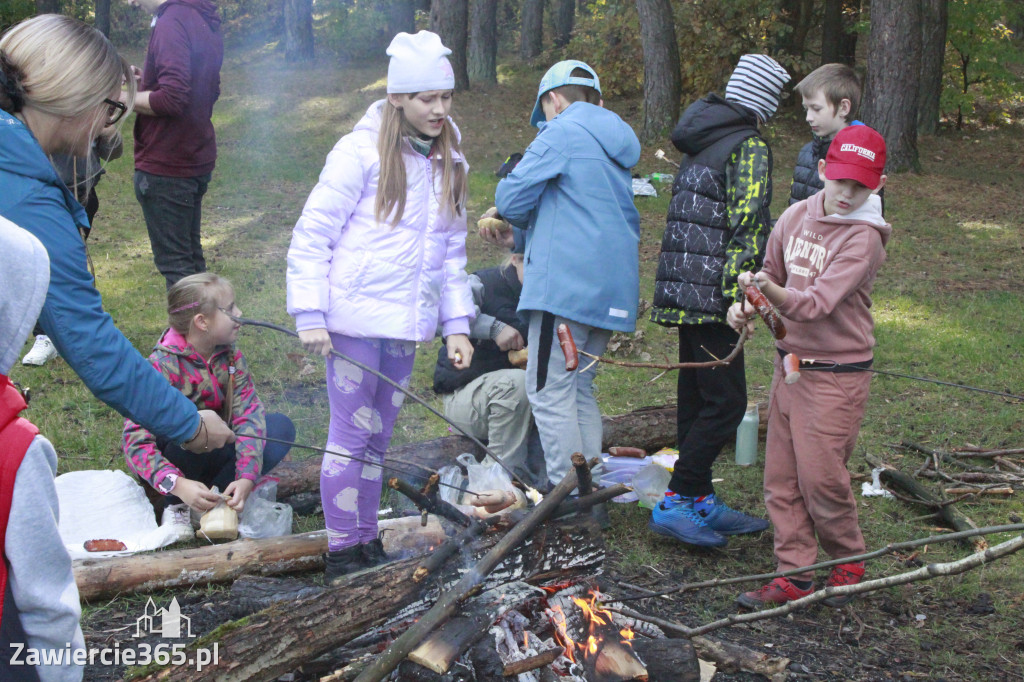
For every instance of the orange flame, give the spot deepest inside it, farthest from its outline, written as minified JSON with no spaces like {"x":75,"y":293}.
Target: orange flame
{"x":561,"y":635}
{"x":592,"y":645}
{"x":526,"y":640}
{"x":627,"y":635}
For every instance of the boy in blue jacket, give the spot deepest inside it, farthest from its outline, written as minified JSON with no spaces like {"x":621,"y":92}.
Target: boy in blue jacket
{"x":572,"y":197}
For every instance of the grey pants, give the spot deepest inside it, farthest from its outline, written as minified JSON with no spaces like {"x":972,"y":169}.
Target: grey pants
{"x":563,"y":403}
{"x":494,"y":407}
{"x":173,"y":211}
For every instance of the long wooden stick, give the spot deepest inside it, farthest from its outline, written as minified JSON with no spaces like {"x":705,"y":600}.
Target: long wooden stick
{"x":881,"y":551}
{"x":451,"y":599}
{"x":924,"y":573}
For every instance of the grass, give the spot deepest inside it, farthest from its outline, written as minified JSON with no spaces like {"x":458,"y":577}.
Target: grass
{"x":947,"y":305}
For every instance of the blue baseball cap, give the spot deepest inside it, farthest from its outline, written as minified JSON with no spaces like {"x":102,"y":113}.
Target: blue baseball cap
{"x":556,"y":77}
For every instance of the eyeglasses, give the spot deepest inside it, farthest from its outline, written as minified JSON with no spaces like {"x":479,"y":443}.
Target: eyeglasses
{"x":115,"y":111}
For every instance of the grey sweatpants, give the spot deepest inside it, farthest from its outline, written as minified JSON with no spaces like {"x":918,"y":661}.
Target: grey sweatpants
{"x":563,"y":403}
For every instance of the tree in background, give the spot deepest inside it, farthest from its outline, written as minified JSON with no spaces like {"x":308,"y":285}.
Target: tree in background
{"x":531,"y":29}
{"x":483,"y":42}
{"x":935,"y":18}
{"x":450,"y":20}
{"x":981,"y":55}
{"x":401,"y":16}
{"x":893,"y":82}
{"x":47,"y":6}
{"x":102,"y":22}
{"x":298,"y":30}
{"x":838,"y":36}
{"x":564,"y":15}
{"x":662,"y":80}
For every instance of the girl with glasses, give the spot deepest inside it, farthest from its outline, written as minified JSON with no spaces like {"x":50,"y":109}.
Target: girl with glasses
{"x":198,"y":357}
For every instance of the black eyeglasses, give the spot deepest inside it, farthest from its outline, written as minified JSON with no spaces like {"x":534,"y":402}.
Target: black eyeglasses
{"x":115,"y":111}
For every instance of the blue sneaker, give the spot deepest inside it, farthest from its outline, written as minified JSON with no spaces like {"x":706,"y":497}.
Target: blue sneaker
{"x":676,"y":518}
{"x":727,"y":521}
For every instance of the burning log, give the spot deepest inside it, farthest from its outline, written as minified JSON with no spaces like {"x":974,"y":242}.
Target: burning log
{"x":107,"y":577}
{"x":525,"y":665}
{"x":310,"y":627}
{"x":440,"y":649}
{"x":650,"y":428}
{"x":450,"y":600}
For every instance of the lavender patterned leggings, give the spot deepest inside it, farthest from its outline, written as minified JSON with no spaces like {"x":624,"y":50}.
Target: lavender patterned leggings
{"x":363,"y":413}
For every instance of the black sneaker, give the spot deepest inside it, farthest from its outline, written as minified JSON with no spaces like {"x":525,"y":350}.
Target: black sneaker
{"x":373,"y":553}
{"x":340,"y":563}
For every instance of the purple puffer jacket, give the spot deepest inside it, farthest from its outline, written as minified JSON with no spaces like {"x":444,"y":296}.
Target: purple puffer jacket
{"x":351,"y":275}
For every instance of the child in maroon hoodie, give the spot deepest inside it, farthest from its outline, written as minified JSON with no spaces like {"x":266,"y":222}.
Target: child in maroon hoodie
{"x":819,"y":268}
{"x":175,"y":144}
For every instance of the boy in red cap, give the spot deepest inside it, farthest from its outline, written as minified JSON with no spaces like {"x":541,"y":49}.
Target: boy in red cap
{"x":819,"y":268}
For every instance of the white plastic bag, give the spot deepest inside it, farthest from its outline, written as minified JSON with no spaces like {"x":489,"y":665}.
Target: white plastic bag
{"x":487,"y":475}
{"x":262,"y":518}
{"x":452,"y":483}
{"x":650,"y":484}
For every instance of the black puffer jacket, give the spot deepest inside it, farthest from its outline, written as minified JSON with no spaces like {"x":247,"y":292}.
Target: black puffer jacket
{"x":498,"y":297}
{"x":806,"y":182}
{"x":707,"y":235}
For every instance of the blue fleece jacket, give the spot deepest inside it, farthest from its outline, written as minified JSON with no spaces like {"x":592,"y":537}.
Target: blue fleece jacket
{"x":34,"y":198}
{"x":573,"y":195}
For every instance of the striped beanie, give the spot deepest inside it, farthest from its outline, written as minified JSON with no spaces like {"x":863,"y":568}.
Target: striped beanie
{"x":757,"y":83}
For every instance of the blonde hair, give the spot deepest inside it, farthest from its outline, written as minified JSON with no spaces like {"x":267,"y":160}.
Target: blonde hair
{"x":391,"y":184}
{"x":66,"y":67}
{"x":836,"y":82}
{"x":191,"y":296}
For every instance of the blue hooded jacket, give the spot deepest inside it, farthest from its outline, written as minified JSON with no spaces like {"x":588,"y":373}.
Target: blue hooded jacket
{"x":35,"y":199}
{"x":573,"y":195}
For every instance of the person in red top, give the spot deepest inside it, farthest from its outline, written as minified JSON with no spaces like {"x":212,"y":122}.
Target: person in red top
{"x":819,"y":269}
{"x":175,"y":144}
{"x":39,"y":610}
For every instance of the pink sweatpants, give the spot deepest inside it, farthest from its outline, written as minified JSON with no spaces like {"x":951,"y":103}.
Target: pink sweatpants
{"x":812,"y":428}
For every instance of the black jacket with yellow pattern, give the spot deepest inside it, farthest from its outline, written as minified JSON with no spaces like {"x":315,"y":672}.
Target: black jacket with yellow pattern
{"x":718,"y":220}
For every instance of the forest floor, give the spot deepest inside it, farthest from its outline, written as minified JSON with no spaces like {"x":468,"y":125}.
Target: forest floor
{"x":947,"y":305}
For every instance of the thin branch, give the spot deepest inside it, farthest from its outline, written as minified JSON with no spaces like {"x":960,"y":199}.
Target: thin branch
{"x":924,"y":573}
{"x":888,"y":549}
{"x":677,"y":365}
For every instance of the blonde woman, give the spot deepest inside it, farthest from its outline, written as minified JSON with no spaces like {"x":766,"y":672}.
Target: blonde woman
{"x":376,"y":264}
{"x":60,"y":85}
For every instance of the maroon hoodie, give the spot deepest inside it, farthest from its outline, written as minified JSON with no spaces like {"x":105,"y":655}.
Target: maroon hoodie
{"x":827,"y":265}
{"x":182,"y":73}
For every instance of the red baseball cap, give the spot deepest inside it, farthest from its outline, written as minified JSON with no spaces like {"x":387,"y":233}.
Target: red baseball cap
{"x":857,"y":153}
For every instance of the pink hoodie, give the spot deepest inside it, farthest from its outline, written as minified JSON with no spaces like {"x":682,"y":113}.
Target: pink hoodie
{"x":828,"y":265}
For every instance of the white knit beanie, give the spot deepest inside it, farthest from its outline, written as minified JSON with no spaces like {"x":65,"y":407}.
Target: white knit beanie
{"x":419,"y":63}
{"x":757,"y":84}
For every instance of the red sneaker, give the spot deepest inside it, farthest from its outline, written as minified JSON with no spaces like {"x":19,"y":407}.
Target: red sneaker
{"x":778,"y":591}
{"x":843,"y":574}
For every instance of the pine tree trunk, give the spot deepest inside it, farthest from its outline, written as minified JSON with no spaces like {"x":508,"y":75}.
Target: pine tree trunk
{"x":450,"y":20}
{"x":298,"y":30}
{"x":933,"y":54}
{"x":47,"y":6}
{"x":662,"y":78}
{"x":565,"y":15}
{"x":531,"y":30}
{"x":483,"y":42}
{"x":838,"y":40}
{"x":894,"y":75}
{"x":102,"y":20}
{"x":401,"y":17}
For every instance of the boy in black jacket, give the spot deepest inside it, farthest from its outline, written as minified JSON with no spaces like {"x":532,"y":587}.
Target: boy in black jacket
{"x":717,"y":227}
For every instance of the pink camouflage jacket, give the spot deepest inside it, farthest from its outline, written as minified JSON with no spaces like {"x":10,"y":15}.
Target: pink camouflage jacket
{"x":205,"y":385}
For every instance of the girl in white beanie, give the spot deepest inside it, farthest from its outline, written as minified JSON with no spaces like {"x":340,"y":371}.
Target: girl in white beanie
{"x":377,"y":264}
